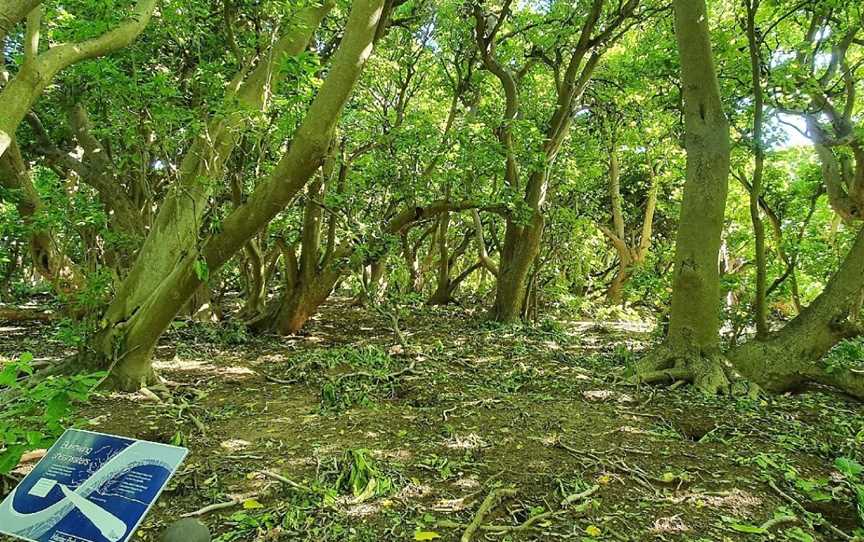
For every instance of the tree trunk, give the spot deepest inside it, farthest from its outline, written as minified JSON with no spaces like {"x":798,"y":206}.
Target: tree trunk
{"x":129,"y":337}
{"x":200,"y":306}
{"x":177,"y":228}
{"x":760,"y":301}
{"x":13,"y":12}
{"x":521,"y":247}
{"x":441,"y":295}
{"x":691,"y":349}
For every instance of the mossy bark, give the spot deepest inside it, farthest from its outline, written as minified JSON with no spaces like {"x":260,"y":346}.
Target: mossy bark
{"x":521,"y":246}
{"x":37,"y":70}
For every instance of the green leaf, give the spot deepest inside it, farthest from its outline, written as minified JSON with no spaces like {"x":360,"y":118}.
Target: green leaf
{"x":9,"y":459}
{"x":746,"y":528}
{"x":426,"y":535}
{"x":252,"y":504}
{"x":798,"y":534}
{"x":201,"y":270}
{"x":57,"y":407}
{"x":849,"y":467}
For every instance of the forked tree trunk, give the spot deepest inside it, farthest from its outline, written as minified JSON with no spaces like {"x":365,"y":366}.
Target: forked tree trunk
{"x":790,"y":357}
{"x":177,"y":227}
{"x":523,"y":234}
{"x":447,"y":259}
{"x":692,"y":350}
{"x":441,"y":295}
{"x":126,"y":344}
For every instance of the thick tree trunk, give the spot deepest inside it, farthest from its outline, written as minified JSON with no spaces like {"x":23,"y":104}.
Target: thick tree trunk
{"x":691,"y":348}
{"x":790,"y":357}
{"x":127,"y":342}
{"x":521,"y":247}
{"x":299,"y":303}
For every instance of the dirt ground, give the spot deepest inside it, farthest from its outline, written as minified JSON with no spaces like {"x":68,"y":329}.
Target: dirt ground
{"x":344,"y":434}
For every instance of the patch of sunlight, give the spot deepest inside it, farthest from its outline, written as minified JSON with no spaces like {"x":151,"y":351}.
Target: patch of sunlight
{"x":673,"y":524}
{"x":363,"y":510}
{"x":413,"y":491}
{"x":235,"y":444}
{"x":467,"y":483}
{"x":736,"y":501}
{"x":472,"y":441}
{"x":400,"y":455}
{"x":235,"y":370}
{"x":606,"y":395}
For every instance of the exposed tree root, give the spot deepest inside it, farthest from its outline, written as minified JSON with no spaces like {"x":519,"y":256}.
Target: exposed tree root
{"x":712,"y":374}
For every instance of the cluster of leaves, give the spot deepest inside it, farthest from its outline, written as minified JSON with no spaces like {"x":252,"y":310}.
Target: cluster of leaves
{"x":848,"y":354}
{"x":366,"y":382}
{"x":853,"y":474}
{"x":35,"y":411}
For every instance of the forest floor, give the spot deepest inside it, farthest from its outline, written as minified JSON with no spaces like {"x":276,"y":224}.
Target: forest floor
{"x":376,"y":442}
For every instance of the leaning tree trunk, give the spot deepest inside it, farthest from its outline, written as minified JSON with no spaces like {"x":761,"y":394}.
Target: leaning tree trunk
{"x":790,"y":357}
{"x":126,"y":346}
{"x":691,"y":349}
{"x":177,"y":227}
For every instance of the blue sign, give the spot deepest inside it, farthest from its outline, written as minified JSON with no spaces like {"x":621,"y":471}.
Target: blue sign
{"x":89,"y":487}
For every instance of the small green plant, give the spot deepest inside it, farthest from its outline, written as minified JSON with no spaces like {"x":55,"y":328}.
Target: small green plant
{"x":35,"y":411}
{"x":847,"y":354}
{"x":853,"y":474}
{"x":245,"y":524}
{"x":359,"y":476}
{"x":363,"y":377}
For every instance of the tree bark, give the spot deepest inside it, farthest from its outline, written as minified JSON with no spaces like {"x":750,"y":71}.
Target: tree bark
{"x":523,"y":235}
{"x":177,"y":228}
{"x":13,"y":12}
{"x":760,"y":302}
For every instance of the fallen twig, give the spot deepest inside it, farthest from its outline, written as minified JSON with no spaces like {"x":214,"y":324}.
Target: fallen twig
{"x":579,"y":496}
{"x":286,"y":481}
{"x":779,"y":520}
{"x":391,"y":376}
{"x":214,"y":507}
{"x":490,"y":502}
{"x":794,"y":502}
